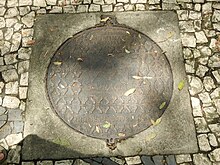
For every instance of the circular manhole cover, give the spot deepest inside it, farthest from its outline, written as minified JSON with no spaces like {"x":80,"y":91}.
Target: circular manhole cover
{"x":109,"y":82}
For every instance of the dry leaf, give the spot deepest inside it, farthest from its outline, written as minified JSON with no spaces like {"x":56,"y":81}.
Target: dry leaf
{"x":128,"y":32}
{"x":91,"y":37}
{"x":120,"y":134}
{"x":181,"y":85}
{"x":97,"y":129}
{"x":137,"y":77}
{"x":31,"y":42}
{"x":111,"y":55}
{"x":156,"y":122}
{"x":139,"y":35}
{"x":127,"y":51}
{"x":130,"y":91}
{"x":107,"y":125}
{"x":57,"y":63}
{"x":104,"y":19}
{"x":162,"y":105}
{"x":170,"y":34}
{"x":146,"y":77}
{"x":150,"y":137}
{"x":80,"y":59}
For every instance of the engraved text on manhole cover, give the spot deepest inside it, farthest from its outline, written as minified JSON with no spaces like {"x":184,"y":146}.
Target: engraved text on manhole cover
{"x":109,"y":81}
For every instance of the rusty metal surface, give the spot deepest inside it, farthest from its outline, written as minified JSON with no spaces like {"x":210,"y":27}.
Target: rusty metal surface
{"x":91,"y":73}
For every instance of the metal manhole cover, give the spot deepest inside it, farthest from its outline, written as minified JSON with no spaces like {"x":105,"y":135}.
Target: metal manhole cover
{"x":109,"y":82}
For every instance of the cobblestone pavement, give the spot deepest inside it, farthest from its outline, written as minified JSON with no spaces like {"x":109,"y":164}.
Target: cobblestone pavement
{"x":199,"y":22}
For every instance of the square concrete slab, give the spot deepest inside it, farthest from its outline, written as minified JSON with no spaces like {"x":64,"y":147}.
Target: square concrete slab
{"x":48,"y":137}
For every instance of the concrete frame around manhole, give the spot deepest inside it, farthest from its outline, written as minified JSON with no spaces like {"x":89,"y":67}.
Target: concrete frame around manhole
{"x":48,"y":137}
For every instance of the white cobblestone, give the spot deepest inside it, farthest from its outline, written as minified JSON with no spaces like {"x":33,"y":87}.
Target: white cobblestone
{"x":2,"y":2}
{"x":214,"y":61}
{"x":195,"y":15}
{"x":186,"y":26}
{"x":23,"y":92}
{"x":82,"y":8}
{"x":99,"y":2}
{"x":215,"y":155}
{"x":196,"y":86}
{"x":110,"y":1}
{"x":152,"y":2}
{"x":17,"y":26}
{"x":196,"y":53}
{"x":107,"y":8}
{"x":94,"y":8}
{"x":203,"y":142}
{"x":13,"y":139}
{"x":11,"y":88}
{"x":197,"y":7}
{"x":10,"y":22}
{"x":8,"y":34}
{"x":2,"y":11}
{"x":210,"y":114}
{"x":183,"y":158}
{"x":207,"y":8}
{"x":11,"y":12}
{"x":25,"y":2}
{"x":56,"y":9}
{"x":187,"y":53}
{"x":24,"y":79}
{"x":64,"y":162}
{"x":215,"y":93}
{"x":23,"y":66}
{"x":28,"y":19}
{"x":216,"y":16}
{"x":12,"y":3}
{"x":6,"y":47}
{"x":208,"y":83}
{"x":201,"y":70}
{"x":216,"y":5}
{"x":182,"y":14}
{"x":133,"y":160}
{"x":51,"y":2}
{"x":188,"y":39}
{"x":205,"y":51}
{"x":119,"y":7}
{"x":216,"y":75}
{"x":198,"y":1}
{"x":16,"y":41}
{"x":39,"y":3}
{"x":201,"y":159}
{"x":205,"y":98}
{"x":139,"y":7}
{"x":69,"y":9}
{"x":212,"y":140}
{"x":2,"y":22}
{"x":24,"y":53}
{"x":216,"y":26}
{"x":217,"y":105}
{"x":10,"y":75}
{"x":11,"y":102}
{"x":200,"y":37}
{"x":197,"y":111}
{"x":129,"y":7}
{"x":80,"y":162}
{"x":1,"y":86}
{"x":201,"y":125}
{"x":215,"y":128}
{"x":122,"y":1}
{"x":212,"y":44}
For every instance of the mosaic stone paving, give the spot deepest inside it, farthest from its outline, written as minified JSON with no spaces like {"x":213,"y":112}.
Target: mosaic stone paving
{"x":199,"y":22}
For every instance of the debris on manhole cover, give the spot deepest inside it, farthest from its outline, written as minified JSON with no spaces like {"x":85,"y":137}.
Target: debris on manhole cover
{"x":109,"y":82}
